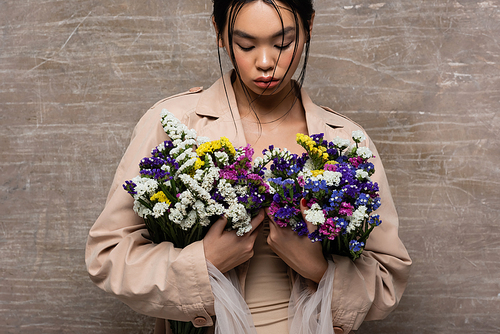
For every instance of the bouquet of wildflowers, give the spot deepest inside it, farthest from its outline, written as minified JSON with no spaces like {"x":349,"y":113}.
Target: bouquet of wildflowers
{"x":334,"y":179}
{"x":189,"y":182}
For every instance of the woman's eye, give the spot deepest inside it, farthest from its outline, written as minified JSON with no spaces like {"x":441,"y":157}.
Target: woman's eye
{"x":245,"y":48}
{"x":283,"y":46}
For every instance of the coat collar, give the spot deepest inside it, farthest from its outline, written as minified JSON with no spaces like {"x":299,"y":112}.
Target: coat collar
{"x":213,"y":103}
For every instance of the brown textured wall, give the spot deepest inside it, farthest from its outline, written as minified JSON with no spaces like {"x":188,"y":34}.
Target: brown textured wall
{"x":423,"y":77}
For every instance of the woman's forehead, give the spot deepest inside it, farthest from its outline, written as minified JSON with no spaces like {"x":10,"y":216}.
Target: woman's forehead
{"x":259,"y":19}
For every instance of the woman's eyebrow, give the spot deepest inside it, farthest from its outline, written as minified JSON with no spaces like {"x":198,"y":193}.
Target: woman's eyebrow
{"x":283,"y":32}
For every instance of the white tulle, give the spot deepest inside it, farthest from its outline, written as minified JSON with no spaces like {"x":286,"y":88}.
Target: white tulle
{"x":310,"y":312}
{"x":231,"y":311}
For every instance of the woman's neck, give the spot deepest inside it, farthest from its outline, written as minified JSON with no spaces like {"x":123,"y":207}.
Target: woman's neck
{"x":265,"y":109}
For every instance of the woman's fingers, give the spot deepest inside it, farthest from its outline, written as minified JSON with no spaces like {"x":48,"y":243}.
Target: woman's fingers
{"x":219,"y":226}
{"x":303,"y":207}
{"x":256,"y":222}
{"x":224,"y":249}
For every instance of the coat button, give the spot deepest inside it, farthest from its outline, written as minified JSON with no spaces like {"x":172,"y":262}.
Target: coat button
{"x":200,"y":321}
{"x":195,"y":89}
{"x":338,"y":330}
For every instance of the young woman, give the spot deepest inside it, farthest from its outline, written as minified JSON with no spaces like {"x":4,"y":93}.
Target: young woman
{"x":257,"y":103}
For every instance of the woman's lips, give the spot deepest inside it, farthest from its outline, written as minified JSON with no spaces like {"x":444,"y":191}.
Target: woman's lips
{"x":266,"y":82}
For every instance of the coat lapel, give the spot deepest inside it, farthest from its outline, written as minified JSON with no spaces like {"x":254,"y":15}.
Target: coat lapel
{"x":224,"y":118}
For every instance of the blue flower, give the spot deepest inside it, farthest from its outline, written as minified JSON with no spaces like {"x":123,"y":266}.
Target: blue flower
{"x":367,"y":167}
{"x":336,"y":198}
{"x":340,"y":222}
{"x":374,"y":220}
{"x":356,"y":246}
{"x":316,"y":186}
{"x":362,"y":199}
{"x":376,"y":203}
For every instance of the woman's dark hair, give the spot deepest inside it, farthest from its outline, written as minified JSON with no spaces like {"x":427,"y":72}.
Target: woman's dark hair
{"x":226,"y":11}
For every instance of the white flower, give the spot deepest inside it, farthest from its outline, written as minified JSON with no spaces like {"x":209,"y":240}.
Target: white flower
{"x":308,"y":166}
{"x":202,"y":140}
{"x":315,"y":215}
{"x":240,"y":219}
{"x":340,"y":143}
{"x":358,"y":136}
{"x":214,"y":209}
{"x":186,"y":198}
{"x":227,"y":191}
{"x":272,"y":191}
{"x":364,"y":152}
{"x":159,"y":209}
{"x":210,"y":177}
{"x":176,"y":213}
{"x":221,"y":157}
{"x":145,"y":187}
{"x":141,"y":210}
{"x":241,"y":190}
{"x":357,"y":218}
{"x":332,"y":178}
{"x":236,"y":212}
{"x":361,"y":174}
{"x":189,"y":221}
{"x":258,"y":161}
{"x":160,"y":147}
{"x":194,"y":187}
{"x":268,"y":174}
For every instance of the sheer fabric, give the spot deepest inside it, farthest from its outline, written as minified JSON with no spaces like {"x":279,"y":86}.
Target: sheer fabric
{"x":233,"y":315}
{"x":310,"y":312}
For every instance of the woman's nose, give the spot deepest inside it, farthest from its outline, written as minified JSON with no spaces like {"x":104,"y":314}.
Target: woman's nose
{"x":265,"y":60}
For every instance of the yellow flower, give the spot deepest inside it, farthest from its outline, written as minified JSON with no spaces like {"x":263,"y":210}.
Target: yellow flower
{"x":199,"y":163}
{"x":317,"y":172}
{"x":215,"y":145}
{"x":226,"y":143}
{"x":160,"y":197}
{"x":331,"y":162}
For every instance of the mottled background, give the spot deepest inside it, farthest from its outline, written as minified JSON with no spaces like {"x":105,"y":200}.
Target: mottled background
{"x":423,"y":77}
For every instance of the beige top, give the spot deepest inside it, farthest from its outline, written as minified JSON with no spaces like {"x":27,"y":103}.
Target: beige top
{"x":267,"y":272}
{"x":170,"y":283}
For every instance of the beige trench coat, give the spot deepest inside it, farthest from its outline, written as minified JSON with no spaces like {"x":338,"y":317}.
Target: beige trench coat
{"x":170,"y":283}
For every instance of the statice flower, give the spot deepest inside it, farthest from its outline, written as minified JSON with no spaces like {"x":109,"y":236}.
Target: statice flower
{"x":189,"y":182}
{"x":334,"y":179}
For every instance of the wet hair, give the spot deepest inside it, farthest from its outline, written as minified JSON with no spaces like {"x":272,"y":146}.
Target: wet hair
{"x":226,"y":12}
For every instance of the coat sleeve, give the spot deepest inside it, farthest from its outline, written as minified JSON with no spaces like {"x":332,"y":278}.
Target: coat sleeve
{"x":153,"y":279}
{"x":370,"y":287}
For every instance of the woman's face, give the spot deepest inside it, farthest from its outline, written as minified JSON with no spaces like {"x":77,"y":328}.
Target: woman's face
{"x":264,"y":47}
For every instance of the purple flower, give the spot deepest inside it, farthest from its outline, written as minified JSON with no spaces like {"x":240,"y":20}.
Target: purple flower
{"x":301,"y":228}
{"x":316,"y":236}
{"x":129,"y":186}
{"x":228,"y":174}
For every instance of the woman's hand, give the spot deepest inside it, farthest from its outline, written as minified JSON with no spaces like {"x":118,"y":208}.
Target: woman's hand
{"x":299,"y":253}
{"x":224,"y":249}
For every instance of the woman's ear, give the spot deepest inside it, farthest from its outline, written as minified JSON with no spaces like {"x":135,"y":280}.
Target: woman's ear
{"x":311,"y":21}
{"x":220,"y":42}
